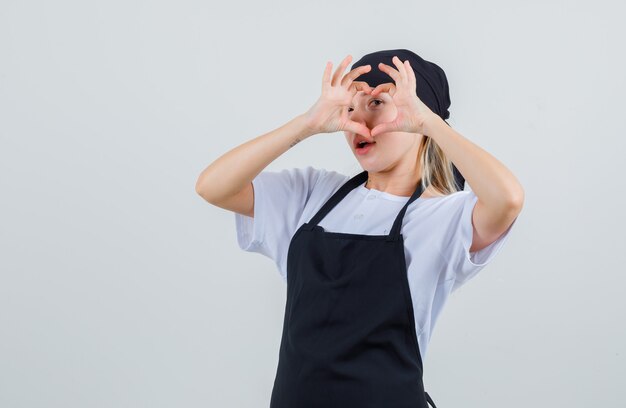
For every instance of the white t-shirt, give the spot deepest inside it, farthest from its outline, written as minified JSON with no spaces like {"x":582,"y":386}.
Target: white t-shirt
{"x":437,"y":231}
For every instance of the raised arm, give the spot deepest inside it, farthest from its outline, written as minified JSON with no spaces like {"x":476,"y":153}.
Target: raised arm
{"x":500,"y":195}
{"x":227,"y":182}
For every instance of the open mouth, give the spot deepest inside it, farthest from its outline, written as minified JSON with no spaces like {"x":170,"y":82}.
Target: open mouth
{"x":363,"y":146}
{"x":360,"y":142}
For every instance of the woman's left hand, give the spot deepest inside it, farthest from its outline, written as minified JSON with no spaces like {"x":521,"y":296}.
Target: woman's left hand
{"x":412,"y":112}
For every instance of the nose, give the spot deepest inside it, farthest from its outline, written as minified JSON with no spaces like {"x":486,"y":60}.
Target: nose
{"x":359,"y":116}
{"x":362,"y":118}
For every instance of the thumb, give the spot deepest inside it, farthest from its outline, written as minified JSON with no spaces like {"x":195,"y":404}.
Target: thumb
{"x":358,"y":128}
{"x":382,"y":128}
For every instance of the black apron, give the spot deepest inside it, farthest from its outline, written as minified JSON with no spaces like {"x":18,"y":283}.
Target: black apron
{"x":348,"y":337}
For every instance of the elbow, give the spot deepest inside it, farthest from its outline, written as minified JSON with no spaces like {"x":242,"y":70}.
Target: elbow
{"x":198,"y":186}
{"x":201,"y":189}
{"x":516,"y":199}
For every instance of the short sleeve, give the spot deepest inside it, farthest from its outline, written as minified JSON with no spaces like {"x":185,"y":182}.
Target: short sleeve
{"x":467,"y":264}
{"x":279,"y":200}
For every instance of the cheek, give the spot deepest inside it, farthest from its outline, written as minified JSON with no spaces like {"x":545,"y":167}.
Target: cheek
{"x":389,"y":113}
{"x":397,"y":142}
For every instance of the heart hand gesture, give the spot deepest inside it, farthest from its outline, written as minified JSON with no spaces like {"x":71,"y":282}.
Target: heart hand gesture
{"x":412,"y":112}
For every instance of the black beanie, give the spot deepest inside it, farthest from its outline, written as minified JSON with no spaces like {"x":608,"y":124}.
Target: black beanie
{"x":432,"y":84}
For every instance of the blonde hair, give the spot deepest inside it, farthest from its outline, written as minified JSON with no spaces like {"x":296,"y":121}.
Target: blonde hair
{"x":436,"y":168}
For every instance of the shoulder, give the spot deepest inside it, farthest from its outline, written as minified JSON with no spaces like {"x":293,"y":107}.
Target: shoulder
{"x":442,"y":213}
{"x":304,"y":181}
{"x":446,"y":202}
{"x":293,"y":179}
{"x":331,"y":179}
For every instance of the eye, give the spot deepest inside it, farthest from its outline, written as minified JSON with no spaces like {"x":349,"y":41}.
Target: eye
{"x":373,"y":100}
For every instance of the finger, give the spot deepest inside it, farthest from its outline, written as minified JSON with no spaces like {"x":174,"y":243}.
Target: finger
{"x":401,"y":69}
{"x":326,"y":76}
{"x":389,"y":71}
{"x":381,"y":128}
{"x":386,"y":87}
{"x":340,"y":70}
{"x":358,"y":128}
{"x":410,"y":74}
{"x":365,"y":88}
{"x":360,"y":86}
{"x":355,"y":73}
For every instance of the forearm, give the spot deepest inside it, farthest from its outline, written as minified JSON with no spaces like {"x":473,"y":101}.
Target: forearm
{"x":235,"y":169}
{"x":493,"y":183}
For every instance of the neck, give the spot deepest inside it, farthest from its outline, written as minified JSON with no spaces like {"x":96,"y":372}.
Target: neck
{"x":401,"y":178}
{"x":397,"y":184}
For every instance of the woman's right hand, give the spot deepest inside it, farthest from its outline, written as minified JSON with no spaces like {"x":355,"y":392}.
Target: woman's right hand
{"x":330,"y":112}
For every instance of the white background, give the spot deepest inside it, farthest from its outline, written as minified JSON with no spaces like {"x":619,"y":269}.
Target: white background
{"x":121,"y":287}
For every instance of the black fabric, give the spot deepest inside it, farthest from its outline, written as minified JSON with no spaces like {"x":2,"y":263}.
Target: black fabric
{"x":348,"y":337}
{"x":432,"y":83}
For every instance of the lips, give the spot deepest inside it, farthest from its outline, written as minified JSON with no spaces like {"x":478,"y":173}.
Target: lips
{"x":358,"y":139}
{"x":365,"y":149}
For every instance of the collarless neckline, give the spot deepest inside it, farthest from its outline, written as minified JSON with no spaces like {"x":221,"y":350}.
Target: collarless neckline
{"x":365,"y":191}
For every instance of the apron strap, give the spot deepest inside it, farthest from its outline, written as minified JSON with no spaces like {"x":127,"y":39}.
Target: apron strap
{"x":430,"y":400}
{"x":342,"y":192}
{"x":337,"y":197}
{"x":394,"y":235}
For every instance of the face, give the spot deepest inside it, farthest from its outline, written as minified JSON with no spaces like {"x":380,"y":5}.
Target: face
{"x":392,"y":148}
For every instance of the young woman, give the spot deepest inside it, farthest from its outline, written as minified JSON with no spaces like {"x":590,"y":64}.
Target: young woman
{"x":369,"y":259}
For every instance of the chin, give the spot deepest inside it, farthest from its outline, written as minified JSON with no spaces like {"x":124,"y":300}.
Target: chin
{"x":372,"y":167}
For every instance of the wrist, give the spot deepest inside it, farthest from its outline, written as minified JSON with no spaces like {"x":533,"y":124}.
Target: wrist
{"x":305,"y":127}
{"x":431,"y":124}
